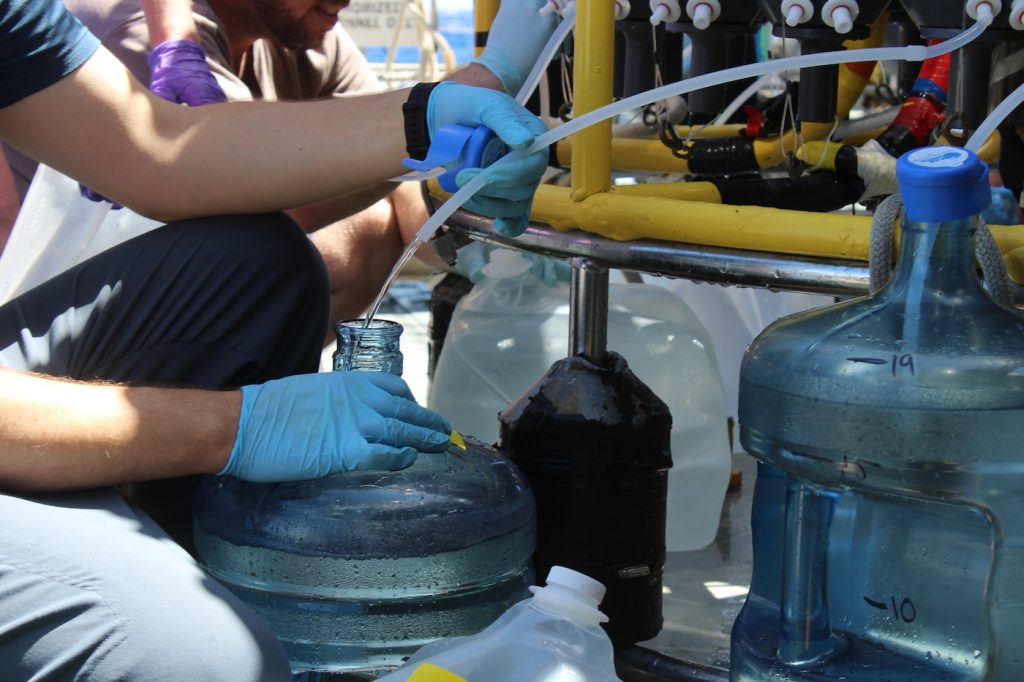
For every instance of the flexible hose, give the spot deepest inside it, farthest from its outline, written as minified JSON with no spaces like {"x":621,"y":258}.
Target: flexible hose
{"x":992,"y":121}
{"x":547,"y":53}
{"x":865,"y":124}
{"x":908,"y":52}
{"x":738,"y":101}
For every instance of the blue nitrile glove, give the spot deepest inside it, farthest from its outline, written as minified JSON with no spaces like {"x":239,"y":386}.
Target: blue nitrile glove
{"x":179,"y":73}
{"x":1003,"y":210}
{"x":515,"y":40}
{"x":314,"y":425}
{"x":508,"y":194}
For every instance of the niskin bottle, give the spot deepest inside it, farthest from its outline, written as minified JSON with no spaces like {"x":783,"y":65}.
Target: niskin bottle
{"x":358,"y":570}
{"x":888,"y":515}
{"x":593,"y":440}
{"x":553,"y":637}
{"x":507,"y":332}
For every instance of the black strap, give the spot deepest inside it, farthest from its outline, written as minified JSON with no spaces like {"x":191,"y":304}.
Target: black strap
{"x":417,"y":134}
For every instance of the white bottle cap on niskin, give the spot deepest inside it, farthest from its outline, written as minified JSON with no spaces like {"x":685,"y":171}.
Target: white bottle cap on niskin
{"x":571,"y":594}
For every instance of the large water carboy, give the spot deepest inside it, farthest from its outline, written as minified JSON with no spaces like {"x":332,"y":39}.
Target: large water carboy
{"x":356,"y":571}
{"x":513,"y":326}
{"x":888,"y":515}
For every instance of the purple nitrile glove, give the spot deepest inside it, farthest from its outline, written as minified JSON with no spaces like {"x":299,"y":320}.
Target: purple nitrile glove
{"x":93,"y":195}
{"x":179,"y":73}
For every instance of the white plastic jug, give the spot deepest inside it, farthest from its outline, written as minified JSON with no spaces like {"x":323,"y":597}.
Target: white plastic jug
{"x":555,"y":636}
{"x":57,"y":228}
{"x":733,"y":316}
{"x":511,"y":328}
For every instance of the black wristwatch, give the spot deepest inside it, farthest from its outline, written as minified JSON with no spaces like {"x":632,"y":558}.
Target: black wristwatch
{"x":417,"y":134}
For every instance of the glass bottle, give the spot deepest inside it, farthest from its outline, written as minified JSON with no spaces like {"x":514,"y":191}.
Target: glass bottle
{"x":356,"y":571}
{"x":373,"y":346}
{"x":888,"y":514}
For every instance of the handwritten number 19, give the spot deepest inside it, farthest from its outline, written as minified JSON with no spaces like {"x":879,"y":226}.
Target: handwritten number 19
{"x":904,"y":361}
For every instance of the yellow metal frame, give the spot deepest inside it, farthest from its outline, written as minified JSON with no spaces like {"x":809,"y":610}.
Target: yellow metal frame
{"x":593,"y":68}
{"x":484,"y":12}
{"x":651,"y":155}
{"x":691,"y":212}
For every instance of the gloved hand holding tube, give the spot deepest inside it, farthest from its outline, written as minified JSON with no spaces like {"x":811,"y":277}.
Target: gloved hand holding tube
{"x":314,"y":425}
{"x":515,"y":40}
{"x":508,"y":193}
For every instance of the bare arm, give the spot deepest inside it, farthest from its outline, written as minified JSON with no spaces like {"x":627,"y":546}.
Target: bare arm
{"x":61,"y":435}
{"x":169,"y":20}
{"x":478,"y":75}
{"x":9,"y":202}
{"x":99,"y":121}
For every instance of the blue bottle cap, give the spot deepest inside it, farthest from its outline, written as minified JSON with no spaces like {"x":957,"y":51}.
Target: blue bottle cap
{"x":942,"y":183}
{"x":456,"y":147}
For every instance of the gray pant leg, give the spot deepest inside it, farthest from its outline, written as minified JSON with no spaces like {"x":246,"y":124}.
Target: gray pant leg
{"x":211,"y":302}
{"x":91,"y":590}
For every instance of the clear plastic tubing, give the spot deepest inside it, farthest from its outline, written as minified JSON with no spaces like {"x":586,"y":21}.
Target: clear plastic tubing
{"x":529,"y":85}
{"x":738,"y":101}
{"x":546,"y":55}
{"x":992,"y":121}
{"x":911,"y":53}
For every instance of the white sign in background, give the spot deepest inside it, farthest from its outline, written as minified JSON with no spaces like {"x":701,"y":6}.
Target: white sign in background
{"x":372,"y":23}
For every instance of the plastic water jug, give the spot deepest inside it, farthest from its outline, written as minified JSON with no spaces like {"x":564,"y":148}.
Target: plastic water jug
{"x":552,"y":637}
{"x":512,"y":327}
{"x":358,"y":570}
{"x":888,"y":514}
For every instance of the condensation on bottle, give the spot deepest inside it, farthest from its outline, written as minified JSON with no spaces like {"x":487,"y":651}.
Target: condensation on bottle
{"x":888,"y":515}
{"x":356,"y":571}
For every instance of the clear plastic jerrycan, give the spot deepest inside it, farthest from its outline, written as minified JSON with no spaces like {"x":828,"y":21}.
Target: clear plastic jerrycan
{"x":354,"y":572}
{"x":888,"y":515}
{"x":553,"y":637}
{"x":512,"y":327}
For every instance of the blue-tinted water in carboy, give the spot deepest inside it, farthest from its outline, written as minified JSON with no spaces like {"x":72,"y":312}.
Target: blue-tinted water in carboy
{"x":358,"y":570}
{"x":888,"y":514}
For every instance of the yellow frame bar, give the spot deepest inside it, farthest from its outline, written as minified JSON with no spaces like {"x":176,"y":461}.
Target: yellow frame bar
{"x":624,"y":216}
{"x":593,"y":68}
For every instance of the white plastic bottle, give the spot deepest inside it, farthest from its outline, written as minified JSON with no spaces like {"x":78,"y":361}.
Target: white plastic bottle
{"x":512,"y":327}
{"x":555,"y":636}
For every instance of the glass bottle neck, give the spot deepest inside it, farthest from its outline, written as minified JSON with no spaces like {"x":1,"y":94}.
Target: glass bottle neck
{"x":373,"y":347}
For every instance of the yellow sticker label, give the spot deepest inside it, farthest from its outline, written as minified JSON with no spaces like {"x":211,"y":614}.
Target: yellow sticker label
{"x":428,"y":672}
{"x":456,"y":439}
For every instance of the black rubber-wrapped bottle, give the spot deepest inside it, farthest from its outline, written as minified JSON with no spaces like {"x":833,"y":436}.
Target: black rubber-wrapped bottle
{"x":593,"y":441}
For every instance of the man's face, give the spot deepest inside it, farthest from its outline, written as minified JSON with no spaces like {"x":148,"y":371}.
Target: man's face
{"x":299,"y":24}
